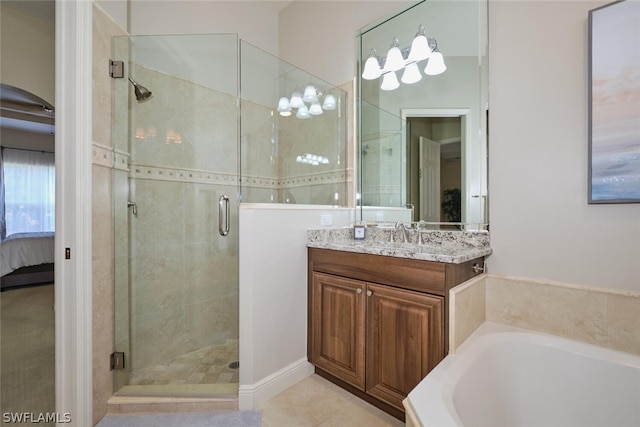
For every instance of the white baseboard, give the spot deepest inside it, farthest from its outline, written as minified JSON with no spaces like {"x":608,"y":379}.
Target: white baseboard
{"x":253,"y":396}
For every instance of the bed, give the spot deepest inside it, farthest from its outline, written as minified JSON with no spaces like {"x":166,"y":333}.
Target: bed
{"x":27,"y":259}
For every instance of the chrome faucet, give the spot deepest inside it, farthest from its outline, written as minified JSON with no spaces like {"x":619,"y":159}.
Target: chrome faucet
{"x":403,"y":227}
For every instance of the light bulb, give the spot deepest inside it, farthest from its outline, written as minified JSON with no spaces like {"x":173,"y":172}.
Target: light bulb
{"x":315,"y":109}
{"x":310,"y":94}
{"x":435,"y":65}
{"x":411,"y":74}
{"x":389,"y":81}
{"x":296,"y":100}
{"x":303,"y":112}
{"x":371,"y":67}
{"x":283,"y":106}
{"x":420,"y":46}
{"x":394,"y":61}
{"x":329,"y":102}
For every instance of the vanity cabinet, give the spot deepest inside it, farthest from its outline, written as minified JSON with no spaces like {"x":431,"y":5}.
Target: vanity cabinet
{"x":377,"y":324}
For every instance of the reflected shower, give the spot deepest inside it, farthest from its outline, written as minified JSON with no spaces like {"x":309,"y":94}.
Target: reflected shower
{"x":142,"y":93}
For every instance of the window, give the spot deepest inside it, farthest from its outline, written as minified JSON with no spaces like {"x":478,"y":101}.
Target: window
{"x":28,"y":180}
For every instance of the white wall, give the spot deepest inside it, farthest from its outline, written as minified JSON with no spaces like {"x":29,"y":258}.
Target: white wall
{"x":254,"y":21}
{"x":320,"y":36}
{"x":541,"y":224}
{"x":28,"y":53}
{"x":273,"y":295}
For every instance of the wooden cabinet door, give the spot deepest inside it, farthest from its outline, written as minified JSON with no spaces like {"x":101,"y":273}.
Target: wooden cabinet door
{"x":405,"y":340}
{"x":337,"y":331}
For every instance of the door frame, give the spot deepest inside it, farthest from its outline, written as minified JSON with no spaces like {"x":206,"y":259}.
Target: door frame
{"x":463,"y":113}
{"x":73,"y":275}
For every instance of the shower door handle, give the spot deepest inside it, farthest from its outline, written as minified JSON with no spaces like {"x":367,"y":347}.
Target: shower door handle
{"x":223,"y":215}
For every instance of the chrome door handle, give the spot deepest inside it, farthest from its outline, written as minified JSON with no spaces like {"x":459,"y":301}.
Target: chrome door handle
{"x":223,"y":215}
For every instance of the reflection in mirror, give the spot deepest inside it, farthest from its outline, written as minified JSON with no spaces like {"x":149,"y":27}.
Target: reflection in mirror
{"x":423,"y":141}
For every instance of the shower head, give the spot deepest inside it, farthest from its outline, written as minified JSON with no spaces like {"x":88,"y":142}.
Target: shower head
{"x":142,"y":93}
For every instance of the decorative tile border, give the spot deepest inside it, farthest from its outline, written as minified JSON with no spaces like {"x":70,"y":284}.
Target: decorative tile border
{"x":181,"y":175}
{"x":121,"y":160}
{"x":102,"y":155}
{"x":109,"y":157}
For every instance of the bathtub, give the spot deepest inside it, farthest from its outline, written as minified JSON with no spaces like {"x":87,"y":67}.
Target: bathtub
{"x":507,"y":376}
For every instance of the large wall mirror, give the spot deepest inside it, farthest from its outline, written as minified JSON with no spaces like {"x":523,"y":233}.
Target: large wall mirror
{"x":423,"y":117}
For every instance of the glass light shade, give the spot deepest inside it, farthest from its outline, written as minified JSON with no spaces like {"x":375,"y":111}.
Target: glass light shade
{"x":315,"y":109}
{"x":395,"y":61}
{"x":303,"y":112}
{"x":296,"y":100}
{"x":284,"y":107}
{"x":435,"y":65}
{"x":411,"y":74}
{"x":310,"y":94}
{"x":329,"y":102}
{"x":420,"y":49}
{"x":371,"y":69}
{"x":390,"y":81}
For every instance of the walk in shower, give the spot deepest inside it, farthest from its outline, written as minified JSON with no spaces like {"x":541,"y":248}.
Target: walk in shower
{"x":200,"y":126}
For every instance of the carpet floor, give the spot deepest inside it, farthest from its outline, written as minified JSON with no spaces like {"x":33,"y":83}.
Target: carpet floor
{"x":191,"y":419}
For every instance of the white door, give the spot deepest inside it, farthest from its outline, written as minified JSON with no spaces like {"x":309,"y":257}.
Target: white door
{"x":429,"y":180}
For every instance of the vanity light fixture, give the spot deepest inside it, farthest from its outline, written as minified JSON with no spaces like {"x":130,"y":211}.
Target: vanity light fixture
{"x":318,"y":102}
{"x":312,"y":159}
{"x":422,"y":48}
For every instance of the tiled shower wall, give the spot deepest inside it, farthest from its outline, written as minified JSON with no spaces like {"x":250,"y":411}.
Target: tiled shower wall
{"x":183,"y":273}
{"x":102,"y":212}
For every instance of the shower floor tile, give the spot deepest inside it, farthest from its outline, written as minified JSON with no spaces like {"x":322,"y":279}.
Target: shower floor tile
{"x":208,"y":365}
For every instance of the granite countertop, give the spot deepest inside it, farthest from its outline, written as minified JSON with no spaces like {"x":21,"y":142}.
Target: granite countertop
{"x":453,"y":247}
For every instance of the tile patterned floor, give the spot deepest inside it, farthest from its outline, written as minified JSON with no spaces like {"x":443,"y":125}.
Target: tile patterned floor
{"x":208,"y":365}
{"x":316,"y":402}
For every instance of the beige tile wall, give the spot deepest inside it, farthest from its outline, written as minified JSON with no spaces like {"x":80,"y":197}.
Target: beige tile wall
{"x":102,"y":213}
{"x":597,"y":316}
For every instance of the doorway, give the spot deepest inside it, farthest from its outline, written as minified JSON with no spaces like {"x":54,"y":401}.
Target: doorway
{"x":435,"y":166}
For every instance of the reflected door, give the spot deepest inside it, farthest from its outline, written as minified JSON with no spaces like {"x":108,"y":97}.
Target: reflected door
{"x":429,"y":180}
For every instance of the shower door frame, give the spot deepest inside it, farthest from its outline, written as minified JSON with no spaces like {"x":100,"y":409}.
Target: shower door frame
{"x":212,"y":178}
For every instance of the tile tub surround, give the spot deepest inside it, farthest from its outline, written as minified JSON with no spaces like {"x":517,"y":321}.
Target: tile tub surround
{"x":597,"y":316}
{"x":441,"y":246}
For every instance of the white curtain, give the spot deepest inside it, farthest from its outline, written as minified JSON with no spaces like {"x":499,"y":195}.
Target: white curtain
{"x":28,"y":179}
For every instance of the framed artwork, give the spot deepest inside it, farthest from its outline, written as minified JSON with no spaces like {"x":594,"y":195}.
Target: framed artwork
{"x":614,"y":103}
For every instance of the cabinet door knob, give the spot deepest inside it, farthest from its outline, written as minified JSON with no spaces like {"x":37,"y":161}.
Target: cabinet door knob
{"x":369,"y":293}
{"x":359,"y":291}
{"x":477,"y":268}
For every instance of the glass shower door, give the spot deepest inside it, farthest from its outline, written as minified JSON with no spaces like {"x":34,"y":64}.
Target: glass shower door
{"x":176,"y":213}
